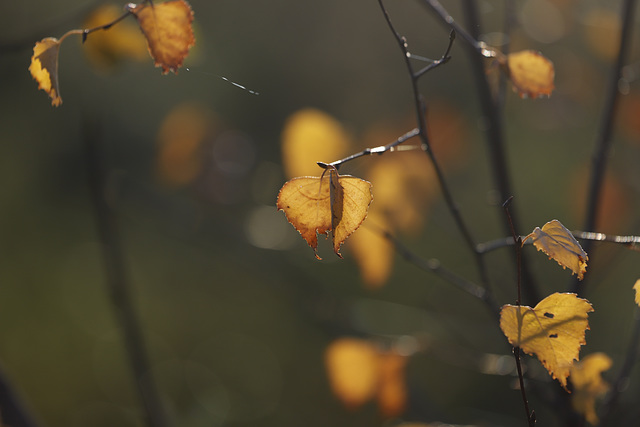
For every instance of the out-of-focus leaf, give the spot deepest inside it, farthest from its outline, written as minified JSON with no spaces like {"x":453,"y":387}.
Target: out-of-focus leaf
{"x":319,"y":204}
{"x":352,"y":366}
{"x":558,"y":243}
{"x":531,"y":73}
{"x":392,"y":391}
{"x":106,"y":49}
{"x":553,"y":330}
{"x":636,"y":287}
{"x":602,"y":32}
{"x":310,"y":136}
{"x":372,"y":251}
{"x":167,"y":28}
{"x":44,"y":67}
{"x":588,"y":385}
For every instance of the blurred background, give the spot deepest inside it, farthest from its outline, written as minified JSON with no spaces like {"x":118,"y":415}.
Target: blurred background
{"x":237,"y":313}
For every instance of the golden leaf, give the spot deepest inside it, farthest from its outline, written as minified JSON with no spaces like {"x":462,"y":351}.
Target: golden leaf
{"x":636,"y":287}
{"x":106,"y":49}
{"x":167,"y":27}
{"x":352,"y":366}
{"x":372,"y":251}
{"x":309,"y":136}
{"x":330,"y":202}
{"x":553,"y":330}
{"x":531,"y":73}
{"x":558,"y":243}
{"x":392,"y":390}
{"x":44,"y":67}
{"x":588,"y":384}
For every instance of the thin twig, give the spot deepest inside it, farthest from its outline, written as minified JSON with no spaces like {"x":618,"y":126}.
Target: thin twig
{"x":422,"y":128}
{"x":118,"y":285}
{"x":631,"y":242}
{"x":603,"y":141}
{"x":12,"y":409}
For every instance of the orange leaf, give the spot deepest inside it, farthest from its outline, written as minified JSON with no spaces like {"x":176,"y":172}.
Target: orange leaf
{"x":558,"y":243}
{"x":44,"y":67}
{"x":531,"y":73}
{"x":588,"y":384}
{"x":392,"y":391}
{"x":167,"y":27}
{"x":553,"y":330}
{"x":319,"y":204}
{"x":310,"y":135}
{"x":372,"y":251}
{"x":352,"y":366}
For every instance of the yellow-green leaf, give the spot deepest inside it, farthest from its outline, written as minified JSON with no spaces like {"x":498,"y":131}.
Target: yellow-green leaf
{"x":327,"y":203}
{"x":553,"y":330}
{"x":558,"y":243}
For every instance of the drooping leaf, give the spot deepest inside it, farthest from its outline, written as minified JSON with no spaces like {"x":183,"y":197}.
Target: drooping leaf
{"x":558,"y":243}
{"x":105,"y":49}
{"x":588,"y":384}
{"x":553,"y":330}
{"x":328,"y":203}
{"x":352,"y":367}
{"x":167,"y":27}
{"x":309,"y":136}
{"x":636,"y":287}
{"x":531,"y":73}
{"x":44,"y":67}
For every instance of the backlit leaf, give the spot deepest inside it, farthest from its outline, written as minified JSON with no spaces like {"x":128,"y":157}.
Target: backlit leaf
{"x":167,"y":27}
{"x":352,"y":366}
{"x":309,"y":136}
{"x":44,"y":67}
{"x":328,"y":203}
{"x":558,"y":243}
{"x":553,"y":330}
{"x":588,"y":384}
{"x":373,"y":252}
{"x":531,"y":73}
{"x":636,"y":287}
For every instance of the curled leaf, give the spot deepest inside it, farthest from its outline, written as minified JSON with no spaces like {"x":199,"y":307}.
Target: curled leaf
{"x":327,"y":203}
{"x":553,"y":330}
{"x":531,"y":73}
{"x":558,"y":243}
{"x":588,"y":385}
{"x":44,"y":67}
{"x":167,"y":28}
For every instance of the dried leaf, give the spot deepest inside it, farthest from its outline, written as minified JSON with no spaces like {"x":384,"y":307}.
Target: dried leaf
{"x":167,"y":27}
{"x":553,"y":330}
{"x":319,"y":204}
{"x":588,"y":384}
{"x":352,"y":366}
{"x":636,"y":287}
{"x":309,"y":136}
{"x":558,"y":243}
{"x":531,"y":73}
{"x":44,"y":67}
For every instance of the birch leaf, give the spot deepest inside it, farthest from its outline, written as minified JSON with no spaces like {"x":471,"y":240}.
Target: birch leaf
{"x":588,"y":385}
{"x":167,"y":28}
{"x":558,"y":243}
{"x":531,"y":73}
{"x":44,"y":67}
{"x":553,"y":330}
{"x":327,"y":203}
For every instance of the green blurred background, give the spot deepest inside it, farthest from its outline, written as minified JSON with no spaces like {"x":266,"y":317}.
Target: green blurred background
{"x":236,"y":310}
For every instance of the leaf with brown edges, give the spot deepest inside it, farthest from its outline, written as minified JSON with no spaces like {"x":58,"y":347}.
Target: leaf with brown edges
{"x":330,"y":202}
{"x":167,"y":27}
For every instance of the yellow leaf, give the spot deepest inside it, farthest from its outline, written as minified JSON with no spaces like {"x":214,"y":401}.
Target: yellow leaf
{"x":167,"y":27}
{"x":531,"y":73}
{"x":588,"y":384}
{"x":352,"y":366}
{"x":107,"y":48}
{"x":44,"y":67}
{"x":636,"y":287}
{"x":372,"y":251}
{"x":392,"y":390}
{"x":553,"y":330}
{"x":330,"y":202}
{"x":309,"y":136}
{"x":558,"y":243}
